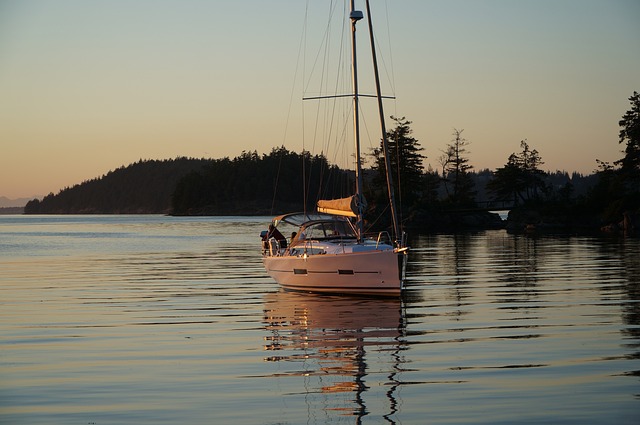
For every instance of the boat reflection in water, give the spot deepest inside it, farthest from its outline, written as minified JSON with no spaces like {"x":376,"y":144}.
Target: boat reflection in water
{"x":338,"y":345}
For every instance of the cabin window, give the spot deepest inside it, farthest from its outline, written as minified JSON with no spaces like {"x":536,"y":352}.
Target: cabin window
{"x":329,"y":230}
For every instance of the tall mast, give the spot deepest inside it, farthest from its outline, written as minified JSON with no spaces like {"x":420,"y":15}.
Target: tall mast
{"x":385,"y":144}
{"x":355,"y":16}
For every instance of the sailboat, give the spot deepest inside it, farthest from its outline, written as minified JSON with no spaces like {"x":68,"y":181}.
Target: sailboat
{"x":329,"y":252}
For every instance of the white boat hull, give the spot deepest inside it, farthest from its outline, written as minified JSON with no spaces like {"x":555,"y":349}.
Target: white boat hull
{"x":365,"y":273}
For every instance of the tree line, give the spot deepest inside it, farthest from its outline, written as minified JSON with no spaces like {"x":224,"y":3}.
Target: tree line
{"x":283,"y":181}
{"x":610,"y":195}
{"x":142,"y":187}
{"x":246,"y":185}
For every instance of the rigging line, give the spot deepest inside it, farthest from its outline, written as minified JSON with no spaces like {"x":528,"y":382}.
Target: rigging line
{"x":326,"y":132}
{"x":363,"y":120}
{"x":390,"y":74}
{"x":291,"y":96}
{"x":343,"y":137}
{"x":333,"y":96}
{"x":324,"y":42}
{"x":334,"y":138}
{"x":384,"y":65}
{"x":304,"y":62}
{"x":390,"y":188}
{"x":393,"y":73}
{"x":275,"y":186}
{"x":345,"y":187}
{"x":399,"y":181}
{"x":340,"y":135}
{"x":323,"y":78}
{"x":373,"y":223}
{"x":332,"y":108}
{"x":332,"y":111}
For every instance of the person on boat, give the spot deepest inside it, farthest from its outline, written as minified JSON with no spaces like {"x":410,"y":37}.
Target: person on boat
{"x":275,"y":233}
{"x":297,"y":238}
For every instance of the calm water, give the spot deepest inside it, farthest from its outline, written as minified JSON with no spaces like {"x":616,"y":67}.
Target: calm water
{"x":154,"y":320}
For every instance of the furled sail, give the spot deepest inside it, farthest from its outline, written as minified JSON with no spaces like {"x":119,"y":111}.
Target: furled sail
{"x":347,"y":207}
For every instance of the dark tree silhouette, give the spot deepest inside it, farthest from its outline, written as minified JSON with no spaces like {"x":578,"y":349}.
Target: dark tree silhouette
{"x":142,"y":187}
{"x":630,"y":134}
{"x":406,"y":165}
{"x":456,"y":170}
{"x":521,"y":178}
{"x":281,"y":181}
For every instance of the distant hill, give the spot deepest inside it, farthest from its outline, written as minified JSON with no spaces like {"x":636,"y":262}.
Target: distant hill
{"x":12,"y":203}
{"x":243,"y":185}
{"x":144,"y":187}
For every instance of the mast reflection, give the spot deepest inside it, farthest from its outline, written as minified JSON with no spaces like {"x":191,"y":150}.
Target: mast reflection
{"x":339,"y":345}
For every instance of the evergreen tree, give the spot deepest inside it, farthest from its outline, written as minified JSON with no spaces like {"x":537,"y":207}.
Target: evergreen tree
{"x":430,"y":184}
{"x":406,"y":165}
{"x":456,"y":170}
{"x":521,"y":178}
{"x":630,"y":134}
{"x":618,"y":189}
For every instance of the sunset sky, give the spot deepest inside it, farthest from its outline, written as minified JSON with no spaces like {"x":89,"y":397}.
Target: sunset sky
{"x":89,"y":86}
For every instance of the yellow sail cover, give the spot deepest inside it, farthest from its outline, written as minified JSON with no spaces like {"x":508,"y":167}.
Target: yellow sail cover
{"x":347,"y":207}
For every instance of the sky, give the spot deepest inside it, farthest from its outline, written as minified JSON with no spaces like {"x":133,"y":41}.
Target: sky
{"x":90,"y":86}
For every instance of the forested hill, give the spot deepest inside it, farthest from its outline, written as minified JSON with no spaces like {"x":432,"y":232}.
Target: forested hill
{"x":247,"y":185}
{"x":253,"y":184}
{"x":142,"y":187}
